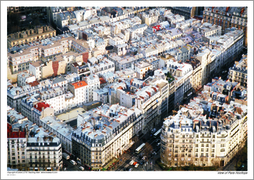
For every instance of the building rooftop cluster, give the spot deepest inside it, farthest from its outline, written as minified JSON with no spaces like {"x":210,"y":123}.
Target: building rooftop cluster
{"x":213,"y":110}
{"x":99,"y":126}
{"x":135,"y":62}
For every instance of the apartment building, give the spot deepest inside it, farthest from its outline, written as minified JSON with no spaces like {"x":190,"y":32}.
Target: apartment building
{"x":150,"y":17}
{"x":60,"y":129}
{"x":35,"y":110}
{"x":16,"y":147}
{"x":104,"y":133}
{"x":35,"y":69}
{"x":226,"y":49}
{"x":60,"y":81}
{"x":30,"y":35}
{"x":127,"y":73}
{"x":31,"y":148}
{"x":20,"y":60}
{"x":44,"y":152}
{"x":104,"y":66}
{"x":55,"y":97}
{"x":228,"y":17}
{"x":79,"y":69}
{"x":191,"y":138}
{"x":14,"y":96}
{"x":66,"y":18}
{"x":148,"y":101}
{"x":78,"y":89}
{"x":187,"y":12}
{"x":122,"y":63}
{"x":137,"y":29}
{"x":207,"y":30}
{"x":142,"y":68}
{"x":93,"y":83}
{"x":13,"y":116}
{"x":154,"y":61}
{"x":173,"y":19}
{"x":159,"y":79}
{"x":52,"y":14}
{"x":24,"y":78}
{"x":182,"y":73}
{"x":101,"y":95}
{"x":183,"y":54}
{"x":238,"y":73}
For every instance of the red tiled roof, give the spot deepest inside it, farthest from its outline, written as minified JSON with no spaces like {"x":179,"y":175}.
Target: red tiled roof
{"x":102,"y":81}
{"x":41,"y":105}
{"x":17,"y":134}
{"x":35,"y":83}
{"x":79,"y":84}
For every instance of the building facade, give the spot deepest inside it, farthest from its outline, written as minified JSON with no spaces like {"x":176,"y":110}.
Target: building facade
{"x":106,"y":134}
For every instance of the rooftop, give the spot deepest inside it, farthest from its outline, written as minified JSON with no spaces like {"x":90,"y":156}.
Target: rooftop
{"x":79,"y":84}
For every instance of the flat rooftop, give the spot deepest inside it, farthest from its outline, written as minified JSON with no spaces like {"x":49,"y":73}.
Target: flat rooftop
{"x":71,"y":115}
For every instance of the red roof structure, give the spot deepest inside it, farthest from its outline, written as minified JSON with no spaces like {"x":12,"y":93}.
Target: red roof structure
{"x":79,"y":84}
{"x":102,"y":81}
{"x":34,"y":83}
{"x":41,"y":105}
{"x":16,"y":134}
{"x":157,"y":28}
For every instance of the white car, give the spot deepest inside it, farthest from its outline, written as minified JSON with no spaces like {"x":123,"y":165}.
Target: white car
{"x":73,"y":162}
{"x":136,"y":165}
{"x":81,"y":168}
{"x":131,"y":163}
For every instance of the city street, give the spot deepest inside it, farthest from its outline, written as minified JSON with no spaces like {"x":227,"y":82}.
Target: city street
{"x":69,"y":166}
{"x":144,"y":165}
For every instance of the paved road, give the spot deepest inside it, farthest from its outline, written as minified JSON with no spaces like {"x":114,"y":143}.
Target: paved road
{"x":149,"y":163}
{"x":70,"y":167}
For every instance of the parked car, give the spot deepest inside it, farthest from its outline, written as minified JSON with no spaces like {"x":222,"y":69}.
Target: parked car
{"x":131,"y":163}
{"x":130,"y":169}
{"x":79,"y":162}
{"x":81,"y":168}
{"x":73,"y":162}
{"x":66,"y":156}
{"x":158,"y":144}
{"x":136,"y":165}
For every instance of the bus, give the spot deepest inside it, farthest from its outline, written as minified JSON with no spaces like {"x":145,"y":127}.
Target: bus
{"x":157,"y":133}
{"x":140,"y":148}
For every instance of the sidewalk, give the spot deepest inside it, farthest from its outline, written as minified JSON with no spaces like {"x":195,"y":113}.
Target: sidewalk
{"x":229,"y":167}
